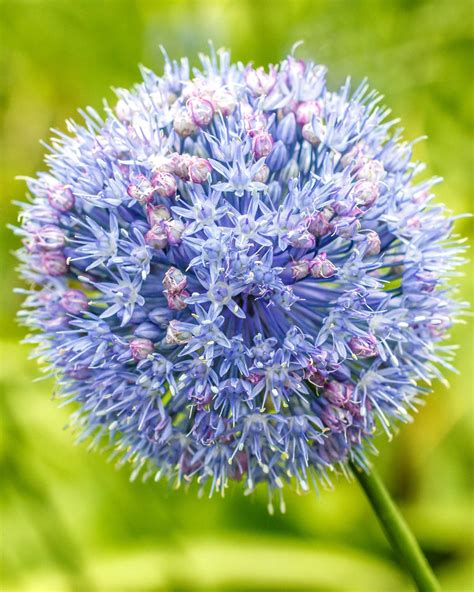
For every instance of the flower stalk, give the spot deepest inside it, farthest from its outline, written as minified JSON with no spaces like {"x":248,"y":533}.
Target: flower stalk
{"x":397,"y":530}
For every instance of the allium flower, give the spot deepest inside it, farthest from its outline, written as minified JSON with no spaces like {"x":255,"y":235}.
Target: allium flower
{"x":235,"y":275}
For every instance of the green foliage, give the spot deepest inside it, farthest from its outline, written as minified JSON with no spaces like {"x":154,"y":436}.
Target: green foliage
{"x":69,"y":520}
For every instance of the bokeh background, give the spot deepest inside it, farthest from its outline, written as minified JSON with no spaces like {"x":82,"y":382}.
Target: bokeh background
{"x":69,"y":520}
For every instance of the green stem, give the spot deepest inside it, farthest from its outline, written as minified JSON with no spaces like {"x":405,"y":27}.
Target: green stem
{"x":397,"y":531}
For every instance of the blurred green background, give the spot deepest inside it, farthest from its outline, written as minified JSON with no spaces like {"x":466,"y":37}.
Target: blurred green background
{"x":69,"y":520}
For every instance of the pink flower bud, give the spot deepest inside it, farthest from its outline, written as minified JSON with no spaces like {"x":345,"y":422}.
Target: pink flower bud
{"x":183,"y":123}
{"x":61,"y":198}
{"x":181,"y":166}
{"x":262,"y":144}
{"x":347,"y":227}
{"x":50,"y":237}
{"x":141,"y":190}
{"x":199,"y":170}
{"x":53,"y":263}
{"x":372,"y":171}
{"x":200,"y":110}
{"x":300,"y":269}
{"x":306,"y":111}
{"x":254,"y":378}
{"x":338,"y":393}
{"x":365,"y":193}
{"x":355,"y":156}
{"x":261,"y":176}
{"x":175,"y":335}
{"x":176,"y":300}
{"x":301,"y":238}
{"x":156,"y":214}
{"x":363,"y":346}
{"x":199,"y":87}
{"x":74,"y":301}
{"x":174,"y":280}
{"x":321,"y":267}
{"x":141,"y":348}
{"x":164,"y":184}
{"x":157,"y":237}
{"x":174,"y":230}
{"x":333,"y":420}
{"x":372,"y":243}
{"x":224,"y":101}
{"x":319,"y":224}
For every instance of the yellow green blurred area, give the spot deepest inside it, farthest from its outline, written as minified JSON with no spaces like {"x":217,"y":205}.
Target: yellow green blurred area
{"x":69,"y":520}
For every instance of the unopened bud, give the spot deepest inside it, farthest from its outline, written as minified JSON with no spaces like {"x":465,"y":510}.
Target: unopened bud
{"x":175,"y":335}
{"x":278,"y":157}
{"x":141,"y":348}
{"x":299,"y":269}
{"x":53,"y":263}
{"x":50,"y":237}
{"x":174,"y":231}
{"x":338,"y":393}
{"x":365,"y":193}
{"x":164,"y":184}
{"x":261,"y":176}
{"x":301,"y":238}
{"x":321,"y":267}
{"x":200,"y":110}
{"x":372,"y":171}
{"x":363,"y":346}
{"x":372,"y":241}
{"x":181,"y":166}
{"x":286,"y":131}
{"x":318,"y":224}
{"x":262,"y":144}
{"x":61,"y":198}
{"x":156,"y":214}
{"x":306,"y":111}
{"x":355,"y":157}
{"x":199,"y":170}
{"x":74,"y":301}
{"x":310,"y":135}
{"x":176,"y":300}
{"x":157,"y":237}
{"x":141,"y":190}
{"x":347,"y":227}
{"x":224,"y":101}
{"x":183,"y":123}
{"x":174,"y":280}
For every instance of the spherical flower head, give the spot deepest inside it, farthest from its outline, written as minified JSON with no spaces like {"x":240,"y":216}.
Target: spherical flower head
{"x":237,"y":275}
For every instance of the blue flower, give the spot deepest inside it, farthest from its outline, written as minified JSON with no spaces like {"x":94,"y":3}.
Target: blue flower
{"x":236,"y":276}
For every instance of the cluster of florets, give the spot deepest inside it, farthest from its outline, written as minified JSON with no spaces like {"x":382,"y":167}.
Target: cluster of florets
{"x":236,"y":277}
